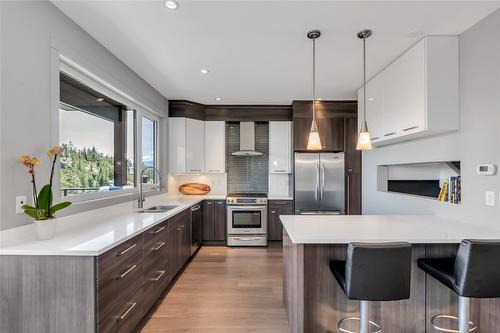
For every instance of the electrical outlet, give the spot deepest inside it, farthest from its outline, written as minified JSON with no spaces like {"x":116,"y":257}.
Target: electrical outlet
{"x":490,"y":198}
{"x":20,"y":201}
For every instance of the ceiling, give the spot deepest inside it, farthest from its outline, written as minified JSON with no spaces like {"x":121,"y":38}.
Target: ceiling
{"x":257,"y":51}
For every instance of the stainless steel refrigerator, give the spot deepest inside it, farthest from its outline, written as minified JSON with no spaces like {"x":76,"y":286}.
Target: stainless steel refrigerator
{"x":319,"y":183}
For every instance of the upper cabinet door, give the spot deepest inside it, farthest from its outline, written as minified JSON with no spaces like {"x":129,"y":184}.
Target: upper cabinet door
{"x":280,"y":146}
{"x":417,"y":94}
{"x":331,"y":132}
{"x":215,"y":146}
{"x":177,"y":145}
{"x":195,"y":149}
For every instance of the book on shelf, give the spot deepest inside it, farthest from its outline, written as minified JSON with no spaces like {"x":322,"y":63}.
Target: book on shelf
{"x":451,"y":190}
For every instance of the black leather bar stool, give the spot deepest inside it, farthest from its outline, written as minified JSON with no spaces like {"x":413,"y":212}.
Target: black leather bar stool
{"x":373,"y":272}
{"x":473,"y":273}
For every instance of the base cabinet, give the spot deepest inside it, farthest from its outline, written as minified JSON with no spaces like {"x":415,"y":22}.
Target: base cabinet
{"x":275,"y":209}
{"x":132,"y":276}
{"x":214,"y":220}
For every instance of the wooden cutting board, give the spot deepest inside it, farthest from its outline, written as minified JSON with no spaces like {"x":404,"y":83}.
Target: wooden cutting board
{"x":194,"y":189}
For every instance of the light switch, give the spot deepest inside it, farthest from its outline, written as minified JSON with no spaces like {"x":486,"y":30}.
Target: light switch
{"x":490,"y":198}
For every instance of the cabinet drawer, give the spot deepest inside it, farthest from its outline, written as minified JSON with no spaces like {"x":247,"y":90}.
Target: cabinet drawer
{"x":280,"y":203}
{"x":126,"y":315}
{"x":120,"y":281}
{"x":156,"y":252}
{"x":114,"y":259}
{"x":155,"y":281}
{"x":156,"y":234}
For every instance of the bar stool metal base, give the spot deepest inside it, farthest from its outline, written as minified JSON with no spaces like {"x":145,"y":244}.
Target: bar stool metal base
{"x":344,"y":330}
{"x":472,"y":326}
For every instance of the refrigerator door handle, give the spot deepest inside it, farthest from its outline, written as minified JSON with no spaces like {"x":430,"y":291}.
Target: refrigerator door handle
{"x":317,"y":183}
{"x":322,"y":182}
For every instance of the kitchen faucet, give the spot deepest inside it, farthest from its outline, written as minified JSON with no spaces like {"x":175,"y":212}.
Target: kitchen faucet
{"x":141,"y":194}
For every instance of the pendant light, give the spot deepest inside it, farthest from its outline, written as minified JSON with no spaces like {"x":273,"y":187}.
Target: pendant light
{"x":364,"y":140}
{"x":314,"y":141}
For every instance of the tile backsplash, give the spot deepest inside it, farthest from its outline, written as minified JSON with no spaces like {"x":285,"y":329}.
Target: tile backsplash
{"x":247,"y":173}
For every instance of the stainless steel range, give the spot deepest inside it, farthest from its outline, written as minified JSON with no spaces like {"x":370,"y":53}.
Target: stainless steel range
{"x":247,"y":219}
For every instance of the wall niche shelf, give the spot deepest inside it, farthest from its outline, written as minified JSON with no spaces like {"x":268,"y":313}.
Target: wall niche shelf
{"x":438,"y":180}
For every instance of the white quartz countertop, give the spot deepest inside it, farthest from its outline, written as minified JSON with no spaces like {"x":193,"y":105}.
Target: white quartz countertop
{"x":342,"y":229}
{"x":94,"y":232}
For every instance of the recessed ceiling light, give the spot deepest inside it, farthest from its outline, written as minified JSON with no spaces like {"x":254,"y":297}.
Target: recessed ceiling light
{"x":100,"y":99}
{"x":218,"y":99}
{"x":171,"y":4}
{"x":204,"y":71}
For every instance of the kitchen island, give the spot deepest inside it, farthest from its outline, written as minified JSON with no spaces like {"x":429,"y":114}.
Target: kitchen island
{"x":315,"y":302}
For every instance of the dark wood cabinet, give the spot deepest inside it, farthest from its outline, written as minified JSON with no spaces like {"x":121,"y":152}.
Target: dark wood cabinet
{"x":330,"y":119}
{"x":220,"y":220}
{"x":275,"y":209}
{"x":131,"y":276}
{"x":331,"y":133}
{"x":214,"y":220}
{"x":352,"y":168}
{"x":208,"y":220}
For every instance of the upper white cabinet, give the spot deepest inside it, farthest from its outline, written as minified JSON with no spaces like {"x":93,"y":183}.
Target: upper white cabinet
{"x":215,"y":146}
{"x":187,"y":151}
{"x":416,"y":95}
{"x":280,"y":146}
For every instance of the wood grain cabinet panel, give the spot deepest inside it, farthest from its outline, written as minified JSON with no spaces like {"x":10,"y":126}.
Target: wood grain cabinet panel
{"x":214,"y":220}
{"x":126,"y":316}
{"x":331,"y":132}
{"x":352,"y":168}
{"x":220,"y":220}
{"x":275,"y":209}
{"x":208,"y":220}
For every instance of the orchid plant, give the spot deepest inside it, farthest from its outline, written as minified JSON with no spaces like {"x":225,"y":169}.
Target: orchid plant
{"x":42,"y":208}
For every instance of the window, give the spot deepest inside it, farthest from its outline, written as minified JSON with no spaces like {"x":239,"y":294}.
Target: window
{"x":99,"y":135}
{"x":149,"y":139}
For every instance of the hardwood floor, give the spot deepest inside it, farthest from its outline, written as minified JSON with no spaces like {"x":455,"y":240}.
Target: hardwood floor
{"x":225,"y":290}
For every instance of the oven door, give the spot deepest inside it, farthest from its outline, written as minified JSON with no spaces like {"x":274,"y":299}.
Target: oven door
{"x":247,"y":220}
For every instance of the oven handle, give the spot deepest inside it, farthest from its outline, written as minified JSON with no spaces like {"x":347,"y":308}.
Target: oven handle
{"x":246,"y":238}
{"x":246,"y":207}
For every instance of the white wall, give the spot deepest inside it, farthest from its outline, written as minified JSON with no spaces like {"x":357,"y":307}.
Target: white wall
{"x":31,"y":33}
{"x":477,"y":141}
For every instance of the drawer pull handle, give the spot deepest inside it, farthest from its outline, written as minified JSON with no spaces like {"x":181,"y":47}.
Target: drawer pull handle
{"x":375,"y":138}
{"x":209,"y":202}
{"x":128,"y":271}
{"x":273,"y":212}
{"x":157,"y":231}
{"x":128,"y":310}
{"x":158,"y":246}
{"x":159,"y":276}
{"x":214,"y":170}
{"x":220,"y":202}
{"x":410,"y":128}
{"x":195,"y":170}
{"x":127,"y":249}
{"x":390,"y":134}
{"x":179,"y":229}
{"x":280,"y":170}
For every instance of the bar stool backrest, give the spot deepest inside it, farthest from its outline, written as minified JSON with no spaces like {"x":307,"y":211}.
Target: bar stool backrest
{"x":378,"y":272}
{"x":477,"y":269}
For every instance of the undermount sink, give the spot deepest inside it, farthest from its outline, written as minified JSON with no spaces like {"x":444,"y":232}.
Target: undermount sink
{"x":158,"y":209}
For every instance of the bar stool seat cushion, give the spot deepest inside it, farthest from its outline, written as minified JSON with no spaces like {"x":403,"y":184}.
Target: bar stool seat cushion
{"x":442,"y":269}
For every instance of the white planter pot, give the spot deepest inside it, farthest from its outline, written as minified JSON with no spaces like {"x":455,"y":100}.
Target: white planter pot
{"x":45,"y":229}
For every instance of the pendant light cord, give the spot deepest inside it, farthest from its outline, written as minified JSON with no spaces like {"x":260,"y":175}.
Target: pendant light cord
{"x":314,"y":80}
{"x":364,"y":79}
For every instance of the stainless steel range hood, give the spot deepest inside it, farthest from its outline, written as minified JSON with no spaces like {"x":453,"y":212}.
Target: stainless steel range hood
{"x":247,"y":140}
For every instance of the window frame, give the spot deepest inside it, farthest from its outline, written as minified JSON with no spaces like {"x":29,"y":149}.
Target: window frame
{"x":79,"y":73}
